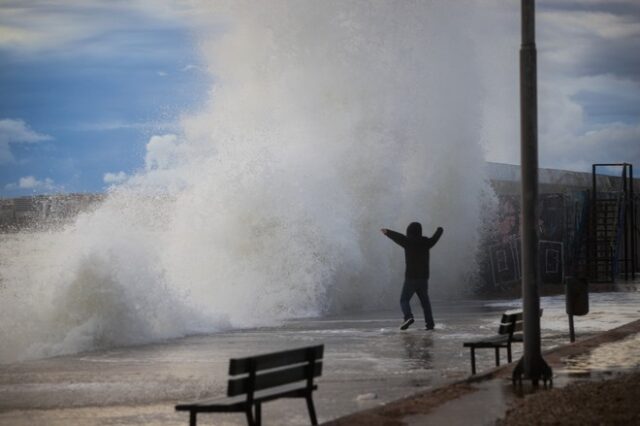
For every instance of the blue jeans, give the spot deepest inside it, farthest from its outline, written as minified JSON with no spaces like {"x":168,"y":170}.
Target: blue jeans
{"x":421,"y":288}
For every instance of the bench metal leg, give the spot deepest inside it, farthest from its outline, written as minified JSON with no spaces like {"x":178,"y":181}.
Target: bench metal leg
{"x":249,"y":413}
{"x":192,"y":418}
{"x":497,"y":349}
{"x":509,"y":352}
{"x":312,"y":410}
{"x":473,"y":360}
{"x":258,"y":414}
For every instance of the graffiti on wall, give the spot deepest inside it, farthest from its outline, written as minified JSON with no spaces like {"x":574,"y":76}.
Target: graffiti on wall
{"x":508,"y":221}
{"x":551,"y":262}
{"x":552,"y":217}
{"x":504,"y":262}
{"x":504,"y":257}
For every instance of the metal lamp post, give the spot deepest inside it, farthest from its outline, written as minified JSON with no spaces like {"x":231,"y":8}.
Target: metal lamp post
{"x":531,"y":366}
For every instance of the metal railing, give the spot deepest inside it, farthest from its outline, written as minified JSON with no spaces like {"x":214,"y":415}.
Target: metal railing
{"x":624,"y":241}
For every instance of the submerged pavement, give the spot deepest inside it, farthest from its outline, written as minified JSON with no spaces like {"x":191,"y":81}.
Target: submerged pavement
{"x":368,"y":365}
{"x":486,"y":399}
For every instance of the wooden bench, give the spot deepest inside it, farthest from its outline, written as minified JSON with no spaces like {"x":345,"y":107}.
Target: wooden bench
{"x":509,"y":331}
{"x":258,"y":379}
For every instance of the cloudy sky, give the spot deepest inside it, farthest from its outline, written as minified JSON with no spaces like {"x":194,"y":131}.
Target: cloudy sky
{"x":589,"y":84}
{"x":87,"y":86}
{"x":83,"y":87}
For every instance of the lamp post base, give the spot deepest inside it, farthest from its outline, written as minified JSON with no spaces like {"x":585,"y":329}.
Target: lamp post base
{"x":539,"y":370}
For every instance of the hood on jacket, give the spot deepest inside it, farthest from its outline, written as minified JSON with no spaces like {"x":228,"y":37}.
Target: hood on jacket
{"x":414,"y":229}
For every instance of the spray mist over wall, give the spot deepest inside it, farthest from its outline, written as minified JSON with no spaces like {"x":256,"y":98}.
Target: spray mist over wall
{"x":326,"y":121}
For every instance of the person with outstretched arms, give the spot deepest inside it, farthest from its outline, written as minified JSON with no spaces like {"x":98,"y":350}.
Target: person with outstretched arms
{"x":416,"y":277}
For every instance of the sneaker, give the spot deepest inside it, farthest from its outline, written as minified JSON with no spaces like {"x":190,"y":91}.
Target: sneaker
{"x":426,"y":327}
{"x":406,"y":324}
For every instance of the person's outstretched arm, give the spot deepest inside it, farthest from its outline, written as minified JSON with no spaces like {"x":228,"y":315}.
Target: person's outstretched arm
{"x":397,"y":237}
{"x":435,"y":237}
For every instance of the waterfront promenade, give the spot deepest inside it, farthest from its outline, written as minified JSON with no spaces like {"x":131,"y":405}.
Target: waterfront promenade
{"x":596,"y":382}
{"x":373,"y":373}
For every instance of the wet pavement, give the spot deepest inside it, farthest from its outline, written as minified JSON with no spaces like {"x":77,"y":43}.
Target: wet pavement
{"x":484,"y":399}
{"x":368,"y":364}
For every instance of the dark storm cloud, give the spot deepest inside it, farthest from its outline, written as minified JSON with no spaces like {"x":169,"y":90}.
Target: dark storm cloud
{"x":623,"y":8}
{"x":607,"y":32}
{"x":620,"y":58}
{"x":589,"y":84}
{"x":601,"y":108}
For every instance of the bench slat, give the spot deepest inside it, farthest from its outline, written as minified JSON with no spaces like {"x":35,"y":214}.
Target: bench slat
{"x":510,"y":328}
{"x":512,"y":323}
{"x":494,"y":338}
{"x":237,"y":403}
{"x":272,"y":379}
{"x":275,"y":359}
{"x":217,"y":404}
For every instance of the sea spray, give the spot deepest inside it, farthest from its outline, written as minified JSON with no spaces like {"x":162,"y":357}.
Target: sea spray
{"x":327,"y":121}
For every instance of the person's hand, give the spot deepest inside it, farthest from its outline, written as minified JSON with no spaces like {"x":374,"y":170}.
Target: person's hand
{"x":384,"y":231}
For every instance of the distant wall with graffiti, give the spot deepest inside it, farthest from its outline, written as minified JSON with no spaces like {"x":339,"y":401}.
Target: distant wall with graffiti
{"x":560,"y":227}
{"x":505,"y":260}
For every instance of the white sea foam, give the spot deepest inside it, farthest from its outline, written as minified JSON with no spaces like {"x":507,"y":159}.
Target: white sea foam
{"x":327,"y":121}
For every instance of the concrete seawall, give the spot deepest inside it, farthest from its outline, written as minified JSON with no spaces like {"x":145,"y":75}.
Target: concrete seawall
{"x":43,"y":210}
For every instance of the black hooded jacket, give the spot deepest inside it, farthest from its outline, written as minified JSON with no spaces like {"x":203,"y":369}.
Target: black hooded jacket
{"x":416,"y":249}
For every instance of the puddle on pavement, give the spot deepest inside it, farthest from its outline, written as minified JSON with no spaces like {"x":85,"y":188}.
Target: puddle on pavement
{"x":604,"y":362}
{"x":606,"y":359}
{"x":486,"y":403}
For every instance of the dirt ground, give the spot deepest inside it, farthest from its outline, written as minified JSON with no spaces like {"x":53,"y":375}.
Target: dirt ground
{"x":602,"y":403}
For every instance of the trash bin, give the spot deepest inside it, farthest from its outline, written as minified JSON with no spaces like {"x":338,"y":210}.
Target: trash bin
{"x":577,"y":296}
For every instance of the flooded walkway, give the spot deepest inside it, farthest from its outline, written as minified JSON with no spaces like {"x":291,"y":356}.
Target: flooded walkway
{"x":368,"y":363}
{"x":595,"y":382}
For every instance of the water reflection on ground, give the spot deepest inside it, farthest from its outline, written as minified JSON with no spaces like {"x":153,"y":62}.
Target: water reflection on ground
{"x":368,"y":361}
{"x":617,"y":356}
{"x":418,"y":348}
